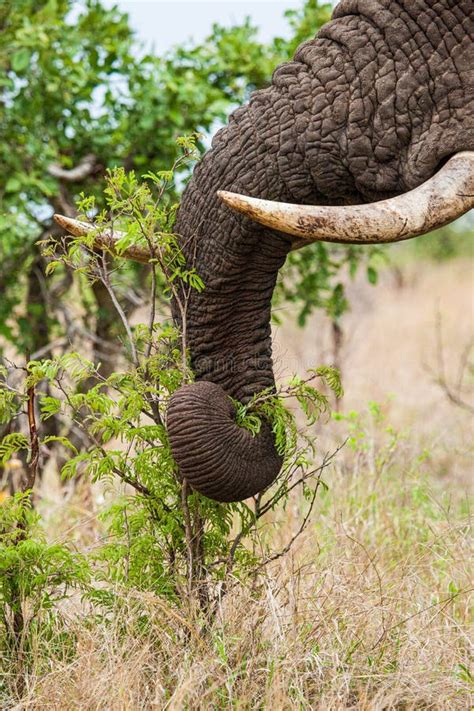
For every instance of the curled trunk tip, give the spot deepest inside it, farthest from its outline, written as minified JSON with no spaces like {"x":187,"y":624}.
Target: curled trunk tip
{"x":217,"y":457}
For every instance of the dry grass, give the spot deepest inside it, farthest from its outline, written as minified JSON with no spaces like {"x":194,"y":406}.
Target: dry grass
{"x":370,"y":609}
{"x":369,"y":612}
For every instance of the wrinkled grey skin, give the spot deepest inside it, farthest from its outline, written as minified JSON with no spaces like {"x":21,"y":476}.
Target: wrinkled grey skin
{"x":369,"y":109}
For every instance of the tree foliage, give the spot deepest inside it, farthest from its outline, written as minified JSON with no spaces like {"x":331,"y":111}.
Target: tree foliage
{"x":79,"y":96}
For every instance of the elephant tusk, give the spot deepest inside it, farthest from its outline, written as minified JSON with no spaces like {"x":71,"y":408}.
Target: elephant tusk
{"x":103,"y":240}
{"x":437,"y":202}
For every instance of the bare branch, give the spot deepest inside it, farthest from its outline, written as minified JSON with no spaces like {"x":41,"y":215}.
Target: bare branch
{"x":300,"y":530}
{"x":32,"y":468}
{"x":454,"y":394}
{"x":80,"y":172}
{"x":118,"y":308}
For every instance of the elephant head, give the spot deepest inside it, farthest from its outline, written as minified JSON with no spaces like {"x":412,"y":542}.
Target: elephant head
{"x":366,"y":136}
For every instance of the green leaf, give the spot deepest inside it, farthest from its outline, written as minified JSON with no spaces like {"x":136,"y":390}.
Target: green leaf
{"x":49,"y":406}
{"x":52,"y":266}
{"x":372,"y":275}
{"x":10,"y":444}
{"x":20,"y":60}
{"x":13,"y":185}
{"x":61,"y":440}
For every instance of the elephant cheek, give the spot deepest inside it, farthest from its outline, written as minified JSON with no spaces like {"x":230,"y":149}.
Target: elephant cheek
{"x":217,"y":457}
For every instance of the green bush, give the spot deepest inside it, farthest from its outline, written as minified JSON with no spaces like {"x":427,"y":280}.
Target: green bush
{"x":159,"y":535}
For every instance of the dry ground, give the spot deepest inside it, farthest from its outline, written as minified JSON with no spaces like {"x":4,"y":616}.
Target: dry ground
{"x":370,"y":609}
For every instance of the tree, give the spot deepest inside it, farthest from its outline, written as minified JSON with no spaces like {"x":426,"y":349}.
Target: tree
{"x":78,"y":97}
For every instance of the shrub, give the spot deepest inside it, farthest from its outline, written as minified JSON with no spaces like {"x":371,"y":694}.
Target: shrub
{"x":160,"y":536}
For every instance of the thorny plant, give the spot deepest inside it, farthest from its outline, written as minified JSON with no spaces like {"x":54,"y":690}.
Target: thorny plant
{"x":161,"y":536}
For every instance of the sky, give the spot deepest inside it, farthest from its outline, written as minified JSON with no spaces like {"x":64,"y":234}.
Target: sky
{"x":164,"y":23}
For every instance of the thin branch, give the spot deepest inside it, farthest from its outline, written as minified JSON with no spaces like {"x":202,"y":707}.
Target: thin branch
{"x":135,"y":484}
{"x":118,"y":308}
{"x":298,"y":533}
{"x":464,"y":363}
{"x":77,"y":174}
{"x":441,"y":378}
{"x":33,"y":463}
{"x":283,"y":491}
{"x":151,"y":322}
{"x":45,"y":350}
{"x":188,"y":531}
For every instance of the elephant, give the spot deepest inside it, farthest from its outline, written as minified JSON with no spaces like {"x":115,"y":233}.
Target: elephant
{"x":366,"y":136}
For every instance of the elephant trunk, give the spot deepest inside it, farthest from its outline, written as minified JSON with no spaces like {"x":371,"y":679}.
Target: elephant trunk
{"x":228,"y":333}
{"x":216,"y":456}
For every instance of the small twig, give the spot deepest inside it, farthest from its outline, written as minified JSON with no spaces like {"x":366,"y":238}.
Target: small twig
{"x":464,"y":363}
{"x":127,"y":480}
{"x":45,"y":350}
{"x":118,"y":308}
{"x":74,"y":175}
{"x":298,"y":533}
{"x":441,"y":378}
{"x":151,"y":322}
{"x":32,"y":466}
{"x":188,"y":531}
{"x":271,"y":503}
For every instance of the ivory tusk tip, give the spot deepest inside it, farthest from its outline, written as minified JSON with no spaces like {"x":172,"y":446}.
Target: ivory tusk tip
{"x":74,"y":227}
{"x":60,"y":219}
{"x":104,"y":239}
{"x":248,"y":206}
{"x":224,"y":195}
